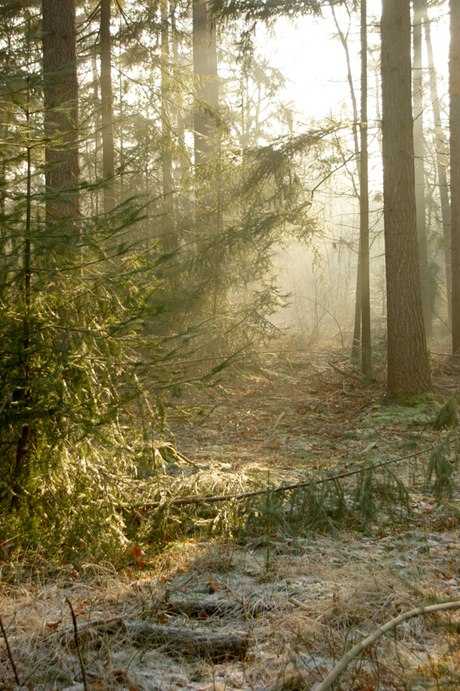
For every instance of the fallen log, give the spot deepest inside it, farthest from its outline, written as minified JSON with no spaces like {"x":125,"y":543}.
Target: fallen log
{"x":202,"y":609}
{"x":212,"y":646}
{"x":94,"y":630}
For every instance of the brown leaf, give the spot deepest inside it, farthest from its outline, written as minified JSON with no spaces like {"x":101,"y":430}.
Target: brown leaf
{"x":53,"y":625}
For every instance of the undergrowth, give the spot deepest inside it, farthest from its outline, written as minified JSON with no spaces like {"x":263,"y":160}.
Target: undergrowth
{"x":94,"y":513}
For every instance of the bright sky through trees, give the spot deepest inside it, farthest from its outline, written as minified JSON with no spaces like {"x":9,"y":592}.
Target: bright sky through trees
{"x":309,"y":53}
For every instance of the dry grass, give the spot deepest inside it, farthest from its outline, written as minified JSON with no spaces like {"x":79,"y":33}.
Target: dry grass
{"x":314,"y":600}
{"x":303,"y":601}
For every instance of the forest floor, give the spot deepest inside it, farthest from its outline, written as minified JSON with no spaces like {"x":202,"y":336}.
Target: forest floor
{"x":277,"y":611}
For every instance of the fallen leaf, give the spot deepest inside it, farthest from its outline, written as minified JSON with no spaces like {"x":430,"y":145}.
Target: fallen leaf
{"x":163,"y":617}
{"x":53,"y":625}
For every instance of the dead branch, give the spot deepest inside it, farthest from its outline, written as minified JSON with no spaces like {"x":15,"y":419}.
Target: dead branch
{"x":357,"y":376}
{"x":9,"y":653}
{"x":375,"y":635}
{"x":200,"y":643}
{"x":186,"y":501}
{"x":95,"y":629}
{"x":209,"y":645}
{"x":220,"y":608}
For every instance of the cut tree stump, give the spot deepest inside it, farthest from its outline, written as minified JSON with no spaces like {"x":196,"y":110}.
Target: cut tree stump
{"x":212,"y":646}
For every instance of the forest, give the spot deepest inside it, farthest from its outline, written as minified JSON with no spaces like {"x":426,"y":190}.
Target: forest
{"x":230,"y":318}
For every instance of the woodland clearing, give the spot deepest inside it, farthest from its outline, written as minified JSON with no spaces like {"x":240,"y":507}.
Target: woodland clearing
{"x":270,"y":607}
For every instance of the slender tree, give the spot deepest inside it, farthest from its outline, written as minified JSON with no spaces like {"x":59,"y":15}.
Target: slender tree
{"x":356,"y":346}
{"x":454,"y":90}
{"x":408,"y":362}
{"x":359,"y":129}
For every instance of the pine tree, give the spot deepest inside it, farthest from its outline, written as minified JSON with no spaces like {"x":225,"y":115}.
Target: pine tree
{"x":408,"y":363}
{"x":454,"y":90}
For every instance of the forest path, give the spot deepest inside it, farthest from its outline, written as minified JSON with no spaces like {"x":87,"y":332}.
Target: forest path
{"x":299,"y":412}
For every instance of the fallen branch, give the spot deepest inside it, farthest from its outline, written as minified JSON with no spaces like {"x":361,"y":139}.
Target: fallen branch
{"x":375,"y":635}
{"x":185,"y":501}
{"x":357,"y":376}
{"x":209,"y":645}
{"x":94,"y":629}
{"x":220,"y":608}
{"x":15,"y":672}
{"x":215,"y":647}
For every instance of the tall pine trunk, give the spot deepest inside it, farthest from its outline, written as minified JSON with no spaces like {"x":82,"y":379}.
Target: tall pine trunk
{"x":419,"y":153}
{"x":408,"y":363}
{"x":108,"y":153}
{"x":205,"y":75}
{"x":170,"y":241}
{"x":441,"y":158}
{"x":454,"y":89}
{"x":364,"y":206}
{"x":61,"y":112}
{"x":207,"y":197}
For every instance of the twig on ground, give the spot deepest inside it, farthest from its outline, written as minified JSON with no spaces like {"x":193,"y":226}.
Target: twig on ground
{"x":346,"y":374}
{"x":375,"y":635}
{"x":77,"y":645}
{"x":9,"y":653}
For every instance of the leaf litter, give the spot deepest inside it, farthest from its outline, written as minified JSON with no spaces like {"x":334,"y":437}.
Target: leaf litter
{"x":298,"y":602}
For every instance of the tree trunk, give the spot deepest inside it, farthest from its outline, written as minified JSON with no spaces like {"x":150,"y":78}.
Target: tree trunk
{"x":408,"y":363}
{"x":364,"y":206}
{"x":23,"y":394}
{"x":108,"y":153}
{"x":361,"y":338}
{"x":356,"y":347}
{"x":205,"y":74}
{"x":97,"y":136}
{"x":454,"y":89}
{"x":441,"y":157}
{"x":419,"y":162}
{"x":170,"y":242}
{"x":61,"y":112}
{"x":207,"y":197}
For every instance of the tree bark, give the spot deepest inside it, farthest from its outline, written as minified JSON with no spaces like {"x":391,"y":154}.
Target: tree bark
{"x":205,"y":73}
{"x":408,"y":363}
{"x":454,"y":89}
{"x":441,"y":158}
{"x":207,"y":197}
{"x":170,"y":240}
{"x":419,"y":162}
{"x":62,"y":170}
{"x":108,"y":152}
{"x":212,"y":646}
{"x":364,"y":206}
